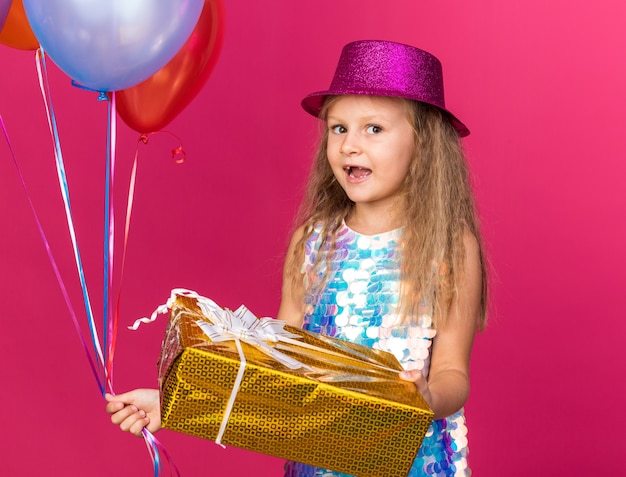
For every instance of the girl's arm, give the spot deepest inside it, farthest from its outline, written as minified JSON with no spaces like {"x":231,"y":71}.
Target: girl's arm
{"x":447,"y":387}
{"x":292,"y":302}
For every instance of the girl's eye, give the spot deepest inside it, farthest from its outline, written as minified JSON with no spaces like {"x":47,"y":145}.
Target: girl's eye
{"x":339,"y":129}
{"x":372,"y":129}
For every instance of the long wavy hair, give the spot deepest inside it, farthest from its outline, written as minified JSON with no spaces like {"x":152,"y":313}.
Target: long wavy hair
{"x":438,"y":210}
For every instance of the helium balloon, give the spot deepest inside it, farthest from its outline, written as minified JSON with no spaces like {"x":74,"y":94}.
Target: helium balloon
{"x":16,"y":31}
{"x":110,"y":45}
{"x":152,"y":104}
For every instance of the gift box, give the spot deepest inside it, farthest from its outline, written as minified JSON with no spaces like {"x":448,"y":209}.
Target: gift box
{"x":261,"y":385}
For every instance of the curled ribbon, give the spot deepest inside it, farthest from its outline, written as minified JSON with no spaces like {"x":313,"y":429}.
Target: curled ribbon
{"x":161,"y":310}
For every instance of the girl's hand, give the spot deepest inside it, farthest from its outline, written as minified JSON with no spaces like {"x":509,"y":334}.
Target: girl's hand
{"x":134,"y":410}
{"x":420,"y":382}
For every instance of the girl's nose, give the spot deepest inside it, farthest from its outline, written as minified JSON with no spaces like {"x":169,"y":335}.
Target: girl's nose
{"x":350,"y":144}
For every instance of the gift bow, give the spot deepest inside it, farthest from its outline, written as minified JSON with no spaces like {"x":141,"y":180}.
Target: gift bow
{"x":244,"y":326}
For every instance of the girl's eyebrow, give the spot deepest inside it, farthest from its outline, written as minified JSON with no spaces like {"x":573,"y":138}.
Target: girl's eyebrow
{"x":334,"y":118}
{"x":371,"y":117}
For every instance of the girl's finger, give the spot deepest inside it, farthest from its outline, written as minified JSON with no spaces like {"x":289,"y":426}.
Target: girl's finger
{"x":123,"y":414}
{"x":138,"y":426}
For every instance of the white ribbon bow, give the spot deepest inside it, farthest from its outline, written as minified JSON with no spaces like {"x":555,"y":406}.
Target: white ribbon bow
{"x":243,"y":325}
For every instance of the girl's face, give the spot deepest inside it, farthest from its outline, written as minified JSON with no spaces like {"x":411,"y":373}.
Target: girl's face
{"x":370,"y":148}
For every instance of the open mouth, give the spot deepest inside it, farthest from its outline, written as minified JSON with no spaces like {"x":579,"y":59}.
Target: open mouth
{"x":357,"y":172}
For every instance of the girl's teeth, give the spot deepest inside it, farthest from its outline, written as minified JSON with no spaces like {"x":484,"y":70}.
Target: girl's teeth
{"x":358,"y":172}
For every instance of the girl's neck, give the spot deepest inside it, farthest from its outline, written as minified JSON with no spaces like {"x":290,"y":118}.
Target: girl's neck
{"x":372,"y":221}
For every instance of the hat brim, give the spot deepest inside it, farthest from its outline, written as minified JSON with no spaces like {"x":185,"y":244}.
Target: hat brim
{"x":314,"y":102}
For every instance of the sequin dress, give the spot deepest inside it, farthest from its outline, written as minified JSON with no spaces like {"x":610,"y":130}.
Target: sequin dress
{"x":359,"y":304}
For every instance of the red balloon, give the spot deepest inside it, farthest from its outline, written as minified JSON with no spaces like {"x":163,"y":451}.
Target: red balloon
{"x":16,"y":31}
{"x":154,"y":103}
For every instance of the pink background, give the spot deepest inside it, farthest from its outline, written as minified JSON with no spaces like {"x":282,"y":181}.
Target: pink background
{"x":540,"y":84}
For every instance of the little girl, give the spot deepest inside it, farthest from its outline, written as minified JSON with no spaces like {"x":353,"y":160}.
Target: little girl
{"x":387,"y":252}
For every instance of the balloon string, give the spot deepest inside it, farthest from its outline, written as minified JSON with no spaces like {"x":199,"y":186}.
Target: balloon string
{"x":155,"y":448}
{"x":109,"y":233}
{"x":51,"y":258}
{"x":129,"y":209}
{"x":42,"y":73}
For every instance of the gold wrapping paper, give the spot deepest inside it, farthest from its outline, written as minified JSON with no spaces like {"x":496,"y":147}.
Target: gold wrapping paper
{"x":347,"y":410}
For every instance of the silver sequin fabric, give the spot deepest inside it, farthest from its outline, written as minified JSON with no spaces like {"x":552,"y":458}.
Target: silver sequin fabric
{"x":359,"y":303}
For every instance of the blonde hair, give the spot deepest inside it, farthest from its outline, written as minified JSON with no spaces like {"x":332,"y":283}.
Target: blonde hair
{"x":438,"y":211}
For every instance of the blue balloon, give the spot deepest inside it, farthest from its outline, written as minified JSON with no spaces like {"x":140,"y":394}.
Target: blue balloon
{"x":111,"y":45}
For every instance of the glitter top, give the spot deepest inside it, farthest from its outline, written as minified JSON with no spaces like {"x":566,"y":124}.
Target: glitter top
{"x":360,"y":304}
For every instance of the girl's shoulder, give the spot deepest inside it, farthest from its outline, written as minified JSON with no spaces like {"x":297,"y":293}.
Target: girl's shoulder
{"x":296,"y":237}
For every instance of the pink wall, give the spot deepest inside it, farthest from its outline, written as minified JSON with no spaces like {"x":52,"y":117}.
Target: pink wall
{"x":540,"y":85}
